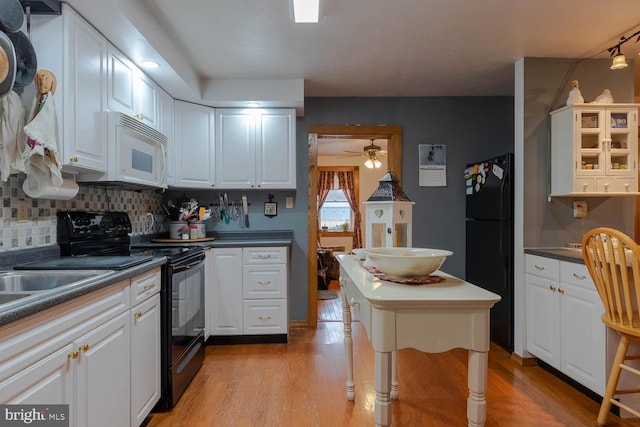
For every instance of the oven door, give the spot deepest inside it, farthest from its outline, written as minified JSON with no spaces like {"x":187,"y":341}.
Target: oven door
{"x":187,"y":306}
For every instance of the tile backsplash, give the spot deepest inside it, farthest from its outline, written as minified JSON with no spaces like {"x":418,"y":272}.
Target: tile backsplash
{"x":40,"y":227}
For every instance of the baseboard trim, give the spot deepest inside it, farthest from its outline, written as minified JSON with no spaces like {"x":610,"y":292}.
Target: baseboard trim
{"x":523,"y":361}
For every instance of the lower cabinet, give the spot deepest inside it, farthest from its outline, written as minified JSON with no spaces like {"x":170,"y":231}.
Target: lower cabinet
{"x":94,"y":353}
{"x":248,"y":293}
{"x":564,"y":328}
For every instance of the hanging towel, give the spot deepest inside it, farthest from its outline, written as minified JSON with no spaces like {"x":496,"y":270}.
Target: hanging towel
{"x":12,"y":137}
{"x":41,"y":151}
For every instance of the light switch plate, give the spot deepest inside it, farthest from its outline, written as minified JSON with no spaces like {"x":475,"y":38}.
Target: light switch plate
{"x":579,"y":208}
{"x":289,"y":202}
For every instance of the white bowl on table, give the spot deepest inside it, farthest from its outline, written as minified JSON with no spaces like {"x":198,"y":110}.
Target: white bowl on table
{"x":407,"y":262}
{"x":360,"y":253}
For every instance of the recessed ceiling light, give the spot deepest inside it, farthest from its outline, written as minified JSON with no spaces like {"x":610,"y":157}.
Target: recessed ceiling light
{"x":149,"y":64}
{"x":305,"y":11}
{"x":253,"y":104}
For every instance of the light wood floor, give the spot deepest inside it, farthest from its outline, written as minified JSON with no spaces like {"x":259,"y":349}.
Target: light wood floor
{"x":302,"y":383}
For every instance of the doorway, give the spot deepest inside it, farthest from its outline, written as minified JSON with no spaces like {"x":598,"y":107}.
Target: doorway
{"x":393,"y":134}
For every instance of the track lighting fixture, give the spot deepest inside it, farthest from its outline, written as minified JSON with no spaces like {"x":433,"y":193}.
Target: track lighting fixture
{"x":619,"y":61}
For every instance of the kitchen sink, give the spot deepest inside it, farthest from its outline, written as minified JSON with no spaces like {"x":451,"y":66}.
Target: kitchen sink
{"x":7,"y":297}
{"x":37,"y":281}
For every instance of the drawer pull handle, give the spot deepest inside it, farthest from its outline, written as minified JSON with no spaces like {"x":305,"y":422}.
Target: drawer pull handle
{"x":149,"y":286}
{"x":264,"y":282}
{"x":264,"y":256}
{"x":353,"y":302}
{"x":579,"y":276}
{"x":264,"y":317}
{"x":553,"y":288}
{"x":73,"y":355}
{"x":137,"y":314}
{"x":538,"y":267}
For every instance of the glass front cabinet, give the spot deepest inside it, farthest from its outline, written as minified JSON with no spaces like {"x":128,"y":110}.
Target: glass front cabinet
{"x":594,"y":149}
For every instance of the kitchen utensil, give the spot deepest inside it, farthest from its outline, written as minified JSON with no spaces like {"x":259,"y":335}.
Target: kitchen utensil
{"x":245,"y":211}
{"x":26,"y":61}
{"x":201,"y":212}
{"x":11,"y":16}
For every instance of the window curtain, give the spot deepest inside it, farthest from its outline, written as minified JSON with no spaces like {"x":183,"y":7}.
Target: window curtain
{"x":346,"y":182}
{"x":325,"y":183}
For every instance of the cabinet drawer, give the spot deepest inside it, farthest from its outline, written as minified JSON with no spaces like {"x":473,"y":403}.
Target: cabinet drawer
{"x":266,"y":255}
{"x":144,"y":286}
{"x":544,"y":267}
{"x":576,"y":274}
{"x":264,"y":281}
{"x":262,"y":317}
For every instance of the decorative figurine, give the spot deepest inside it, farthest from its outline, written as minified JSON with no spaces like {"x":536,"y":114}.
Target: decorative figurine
{"x":575,"y":97}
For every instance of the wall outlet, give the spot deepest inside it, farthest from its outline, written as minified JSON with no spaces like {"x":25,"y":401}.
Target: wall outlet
{"x":23,"y":210}
{"x":579,"y":208}
{"x":289,"y":202}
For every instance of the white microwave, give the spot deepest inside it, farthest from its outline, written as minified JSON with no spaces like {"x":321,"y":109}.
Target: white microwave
{"x":136,"y":154}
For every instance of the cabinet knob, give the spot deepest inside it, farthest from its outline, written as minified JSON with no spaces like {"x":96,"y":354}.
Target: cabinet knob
{"x":73,"y":159}
{"x":561,"y":290}
{"x":553,"y":288}
{"x":84,"y":347}
{"x":137,"y":314}
{"x":353,"y":302}
{"x":72,"y":355}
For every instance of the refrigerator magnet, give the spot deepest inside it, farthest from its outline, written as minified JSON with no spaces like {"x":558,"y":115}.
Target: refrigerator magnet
{"x":498,"y":171}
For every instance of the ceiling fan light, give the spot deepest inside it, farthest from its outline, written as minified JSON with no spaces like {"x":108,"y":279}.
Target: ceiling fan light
{"x":619,"y":62}
{"x":377,"y":163}
{"x":369,"y":163}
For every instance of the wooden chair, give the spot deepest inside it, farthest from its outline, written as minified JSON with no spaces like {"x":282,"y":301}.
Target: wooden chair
{"x":613,"y":261}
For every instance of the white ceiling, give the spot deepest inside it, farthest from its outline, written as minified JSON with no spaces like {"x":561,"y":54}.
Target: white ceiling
{"x":221,"y":52}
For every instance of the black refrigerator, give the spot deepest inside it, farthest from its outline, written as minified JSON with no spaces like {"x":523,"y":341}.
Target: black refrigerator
{"x":489,"y":238}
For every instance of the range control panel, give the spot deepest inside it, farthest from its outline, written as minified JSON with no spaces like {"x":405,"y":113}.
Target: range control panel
{"x":82,"y":225}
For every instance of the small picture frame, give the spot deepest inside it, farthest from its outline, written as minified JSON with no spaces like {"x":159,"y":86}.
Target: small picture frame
{"x":270,"y":209}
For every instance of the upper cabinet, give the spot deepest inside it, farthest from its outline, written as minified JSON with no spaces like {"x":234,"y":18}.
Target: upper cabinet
{"x":165,"y":126}
{"x":193,"y":151}
{"x":76,"y":53}
{"x":129,"y":90}
{"x":255,"y":148}
{"x":594,"y":149}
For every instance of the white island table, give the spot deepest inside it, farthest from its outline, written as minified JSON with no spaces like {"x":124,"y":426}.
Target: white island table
{"x":431,"y":318}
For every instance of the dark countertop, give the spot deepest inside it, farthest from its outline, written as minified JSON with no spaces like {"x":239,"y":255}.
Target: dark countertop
{"x":226,"y":239}
{"x":23,"y":307}
{"x":559,"y":253}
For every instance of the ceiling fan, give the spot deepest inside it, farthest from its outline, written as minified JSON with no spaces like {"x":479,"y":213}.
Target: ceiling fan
{"x":370,"y":151}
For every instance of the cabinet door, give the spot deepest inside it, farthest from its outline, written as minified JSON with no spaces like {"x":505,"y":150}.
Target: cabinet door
{"x":103,"y":389}
{"x":145,"y":358}
{"x":225,"y":303}
{"x":263,"y":317}
{"x":165,"y":126}
{"x":235,"y":148}
{"x":85,"y":92}
{"x":194,"y":146}
{"x":543,"y":316}
{"x":276,"y":149}
{"x":48,"y":380}
{"x":145,"y":99}
{"x":621,"y":140}
{"x":120,"y":72}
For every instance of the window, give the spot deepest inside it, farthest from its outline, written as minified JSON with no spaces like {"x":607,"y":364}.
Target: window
{"x":335,"y":212}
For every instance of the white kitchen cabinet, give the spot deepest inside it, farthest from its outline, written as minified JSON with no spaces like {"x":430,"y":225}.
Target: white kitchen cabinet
{"x":193,"y":151}
{"x":165,"y":126}
{"x":99,"y":353}
{"x":255,"y":148}
{"x":77,"y":54}
{"x":145,"y":344}
{"x":225,"y":299}
{"x":564,"y":328}
{"x":250,"y":288}
{"x":129,"y":90}
{"x":594,"y":149}
{"x":103,"y":375}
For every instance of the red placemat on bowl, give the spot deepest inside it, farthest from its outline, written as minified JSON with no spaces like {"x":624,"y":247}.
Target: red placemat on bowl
{"x":421,"y":280}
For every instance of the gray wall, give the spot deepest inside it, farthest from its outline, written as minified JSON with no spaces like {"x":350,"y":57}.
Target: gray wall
{"x":546,"y":86}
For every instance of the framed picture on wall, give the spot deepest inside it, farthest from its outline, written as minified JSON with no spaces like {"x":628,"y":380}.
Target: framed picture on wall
{"x":270,"y":208}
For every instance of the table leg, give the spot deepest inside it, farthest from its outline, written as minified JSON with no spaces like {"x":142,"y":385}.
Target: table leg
{"x":476,"y":403}
{"x":394,"y":378}
{"x":382,"y":409}
{"x":348,"y":342}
